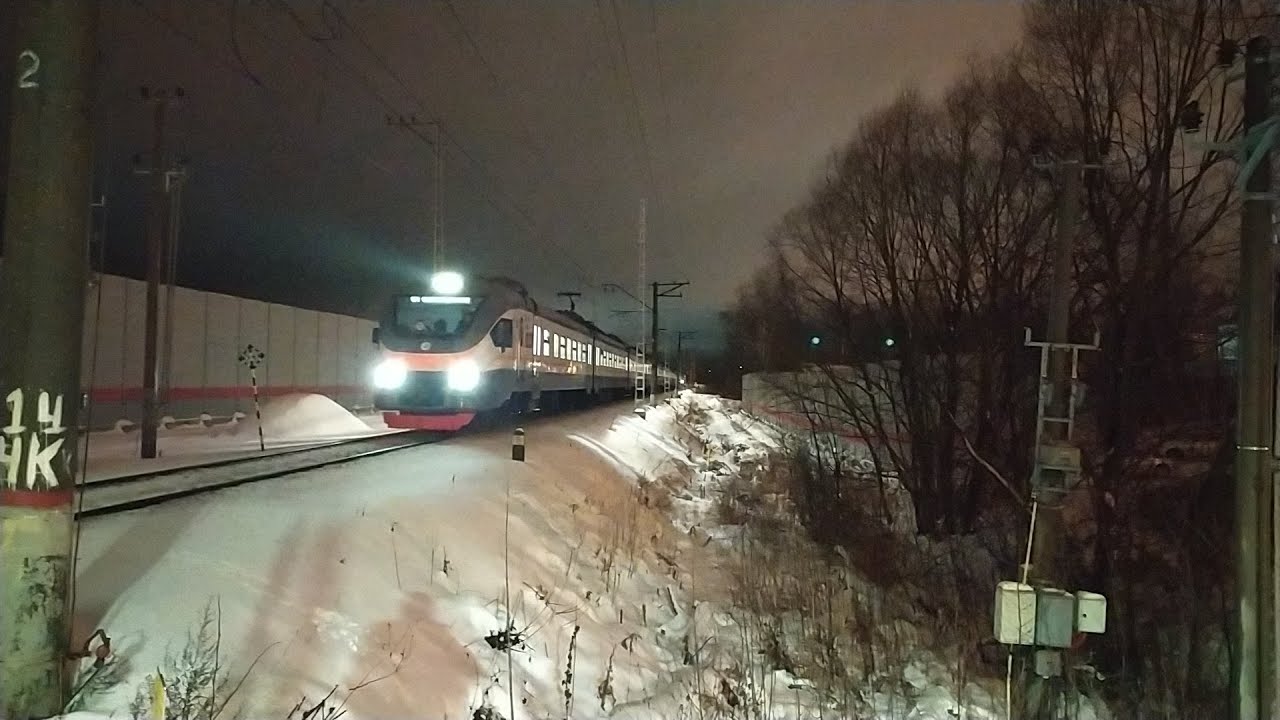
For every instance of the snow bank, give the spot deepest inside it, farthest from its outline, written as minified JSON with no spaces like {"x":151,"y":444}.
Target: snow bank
{"x":396,"y":576}
{"x":305,"y":416}
{"x":450,"y":581}
{"x":288,"y":422}
{"x":729,"y":451}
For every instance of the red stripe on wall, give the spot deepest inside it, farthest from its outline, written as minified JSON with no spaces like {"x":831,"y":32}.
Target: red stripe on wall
{"x":228,"y":392}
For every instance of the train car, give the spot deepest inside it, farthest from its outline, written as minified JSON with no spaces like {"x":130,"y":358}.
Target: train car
{"x":474,"y":345}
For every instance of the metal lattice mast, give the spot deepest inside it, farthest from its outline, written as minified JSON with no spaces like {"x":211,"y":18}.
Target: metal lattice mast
{"x":640,"y":288}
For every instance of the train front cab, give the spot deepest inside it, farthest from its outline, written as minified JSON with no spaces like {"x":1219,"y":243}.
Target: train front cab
{"x":439,"y":379}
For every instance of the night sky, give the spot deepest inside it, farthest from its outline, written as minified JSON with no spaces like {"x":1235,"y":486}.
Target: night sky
{"x":721,"y":114}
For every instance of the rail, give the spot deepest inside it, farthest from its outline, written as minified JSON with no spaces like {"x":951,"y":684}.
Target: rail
{"x":133,"y":492}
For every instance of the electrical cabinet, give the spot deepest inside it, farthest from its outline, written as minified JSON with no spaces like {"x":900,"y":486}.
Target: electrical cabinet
{"x":1055,"y":618}
{"x":1091,"y":613}
{"x":1015,"y":613}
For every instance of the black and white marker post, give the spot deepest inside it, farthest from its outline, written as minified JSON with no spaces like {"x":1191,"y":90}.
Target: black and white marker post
{"x":517,"y":445}
{"x":251,"y":357}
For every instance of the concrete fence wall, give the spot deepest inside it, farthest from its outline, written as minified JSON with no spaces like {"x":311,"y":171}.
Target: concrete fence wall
{"x":306,"y":352}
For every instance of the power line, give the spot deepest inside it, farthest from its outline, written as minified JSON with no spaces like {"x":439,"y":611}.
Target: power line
{"x":646,"y":159}
{"x":243,"y":73}
{"x":478,"y":166}
{"x":495,"y":79}
{"x":657,"y":55}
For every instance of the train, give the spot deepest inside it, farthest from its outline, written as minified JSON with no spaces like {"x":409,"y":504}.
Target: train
{"x":474,"y":345}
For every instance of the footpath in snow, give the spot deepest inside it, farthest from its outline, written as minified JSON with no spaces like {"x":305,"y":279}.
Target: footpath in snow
{"x":608,"y":576}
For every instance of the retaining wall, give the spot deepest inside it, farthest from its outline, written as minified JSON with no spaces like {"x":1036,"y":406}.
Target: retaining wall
{"x":306,"y":352}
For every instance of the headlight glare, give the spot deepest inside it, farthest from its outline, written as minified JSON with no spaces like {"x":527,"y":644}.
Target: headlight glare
{"x":464,"y":376}
{"x":390,"y":374}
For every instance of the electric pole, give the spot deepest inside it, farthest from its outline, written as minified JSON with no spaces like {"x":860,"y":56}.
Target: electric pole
{"x":660,"y":290}
{"x":1254,"y":666}
{"x":1057,"y":459}
{"x":178,"y":177}
{"x":157,"y":242}
{"x":680,"y":336}
{"x":44,"y":277}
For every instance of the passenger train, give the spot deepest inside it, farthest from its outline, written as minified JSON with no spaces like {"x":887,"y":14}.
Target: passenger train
{"x":473,"y":345}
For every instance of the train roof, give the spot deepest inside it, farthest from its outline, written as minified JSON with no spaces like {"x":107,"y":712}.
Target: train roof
{"x":517,"y":289}
{"x":591,"y":327}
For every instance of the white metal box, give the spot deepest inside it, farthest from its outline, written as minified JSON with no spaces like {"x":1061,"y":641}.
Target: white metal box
{"x":1055,"y":618}
{"x":1015,"y":613}
{"x":1091,"y":612}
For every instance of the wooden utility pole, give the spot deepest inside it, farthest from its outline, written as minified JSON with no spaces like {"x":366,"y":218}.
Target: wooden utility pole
{"x":44,"y":277}
{"x":157,"y":231}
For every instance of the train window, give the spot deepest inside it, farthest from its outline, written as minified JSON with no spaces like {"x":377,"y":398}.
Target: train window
{"x":503,"y":333}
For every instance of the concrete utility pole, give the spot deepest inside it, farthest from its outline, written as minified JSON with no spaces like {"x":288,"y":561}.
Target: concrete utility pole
{"x":1057,"y":460}
{"x":1046,"y":564}
{"x":44,"y":277}
{"x":1254,"y":666}
{"x":660,"y":290}
{"x":178,"y":176}
{"x":157,"y":233}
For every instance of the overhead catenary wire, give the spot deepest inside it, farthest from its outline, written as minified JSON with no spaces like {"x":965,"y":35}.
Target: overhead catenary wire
{"x":479,"y":168}
{"x":645,"y":154}
{"x":521,"y":215}
{"x":241,"y":72}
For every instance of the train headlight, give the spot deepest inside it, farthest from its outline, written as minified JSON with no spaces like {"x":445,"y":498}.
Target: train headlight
{"x":446,"y":283}
{"x":390,"y":374}
{"x":464,"y":376}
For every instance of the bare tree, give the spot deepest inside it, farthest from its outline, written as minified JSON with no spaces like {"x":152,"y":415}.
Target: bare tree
{"x":929,"y":229}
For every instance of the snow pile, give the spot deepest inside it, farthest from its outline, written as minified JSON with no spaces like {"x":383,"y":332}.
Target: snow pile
{"x":305,"y":416}
{"x":288,"y":422}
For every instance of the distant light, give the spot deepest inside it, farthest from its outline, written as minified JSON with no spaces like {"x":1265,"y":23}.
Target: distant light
{"x":447,"y":283}
{"x":889,"y":342}
{"x":815,"y":340}
{"x":445,"y":299}
{"x":415,"y":299}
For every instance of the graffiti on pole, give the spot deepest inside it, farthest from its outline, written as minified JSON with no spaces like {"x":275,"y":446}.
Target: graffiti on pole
{"x":42,"y":444}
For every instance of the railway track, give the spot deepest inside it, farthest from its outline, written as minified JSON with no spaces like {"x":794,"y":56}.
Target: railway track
{"x":132,"y":492}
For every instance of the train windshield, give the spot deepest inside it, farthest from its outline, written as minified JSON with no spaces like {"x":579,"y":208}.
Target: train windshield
{"x":434,"y":317}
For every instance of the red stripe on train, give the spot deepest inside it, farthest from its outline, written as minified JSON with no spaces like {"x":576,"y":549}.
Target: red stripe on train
{"x":228,"y":392}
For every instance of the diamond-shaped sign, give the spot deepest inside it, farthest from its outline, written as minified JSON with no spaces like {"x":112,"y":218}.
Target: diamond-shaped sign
{"x":251,"y":357}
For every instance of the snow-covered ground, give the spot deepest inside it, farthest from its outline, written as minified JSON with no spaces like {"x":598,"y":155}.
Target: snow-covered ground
{"x":399,"y":582}
{"x":288,"y":422}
